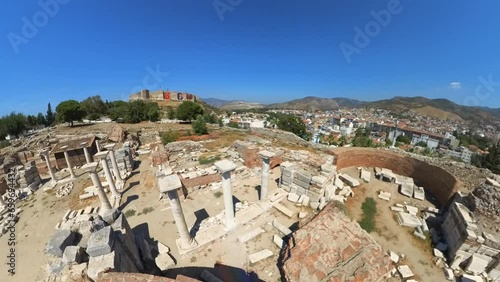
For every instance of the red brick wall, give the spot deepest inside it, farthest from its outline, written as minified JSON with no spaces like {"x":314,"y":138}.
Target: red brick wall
{"x":436,"y":180}
{"x":139,"y":277}
{"x":202,"y":180}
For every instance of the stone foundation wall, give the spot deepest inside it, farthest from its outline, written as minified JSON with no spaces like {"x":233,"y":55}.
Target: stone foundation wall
{"x":440,"y":183}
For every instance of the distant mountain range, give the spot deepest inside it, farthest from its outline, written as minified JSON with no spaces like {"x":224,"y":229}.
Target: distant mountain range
{"x":438,"y":108}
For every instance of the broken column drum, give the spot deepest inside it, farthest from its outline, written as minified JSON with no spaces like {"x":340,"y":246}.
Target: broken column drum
{"x":264,"y":186}
{"x":225,"y":167}
{"x":169,"y":184}
{"x":107,"y":173}
{"x":45,"y":154}
{"x":66,"y":156}
{"x":91,"y":169}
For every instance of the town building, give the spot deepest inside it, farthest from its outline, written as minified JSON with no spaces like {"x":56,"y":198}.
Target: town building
{"x":431,"y":142}
{"x":460,"y":153}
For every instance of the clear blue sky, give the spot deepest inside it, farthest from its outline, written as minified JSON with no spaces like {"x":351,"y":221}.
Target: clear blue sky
{"x":261,"y":50}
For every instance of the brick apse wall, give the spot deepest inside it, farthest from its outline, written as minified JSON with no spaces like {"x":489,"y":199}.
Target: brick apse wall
{"x":440,"y":183}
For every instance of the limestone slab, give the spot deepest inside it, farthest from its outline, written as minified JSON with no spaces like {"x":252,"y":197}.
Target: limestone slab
{"x":225,"y":166}
{"x":250,"y":235}
{"x":169,"y":182}
{"x":286,"y":211}
{"x":258,"y":256}
{"x":278,"y":241}
{"x":281,"y":227}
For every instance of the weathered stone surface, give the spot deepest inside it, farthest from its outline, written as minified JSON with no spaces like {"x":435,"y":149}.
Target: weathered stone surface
{"x":73,"y":254}
{"x":485,"y":199}
{"x":109,"y":216}
{"x":332,"y":247}
{"x":110,"y":261}
{"x":59,"y":241}
{"x":164,"y":261}
{"x":101,"y":242}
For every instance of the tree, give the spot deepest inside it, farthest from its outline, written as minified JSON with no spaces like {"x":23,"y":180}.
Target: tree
{"x":31,"y":121}
{"x":152,"y":111}
{"x":70,"y":110}
{"x":13,"y":124}
{"x":421,"y":144}
{"x":233,"y":124}
{"x":292,"y":124}
{"x":136,"y":111}
{"x":200,"y":126}
{"x":189,"y":111}
{"x":170,"y":112}
{"x":40,"y":119}
{"x":94,"y":106}
{"x":220,"y":122}
{"x":491,"y":161}
{"x":210,"y":118}
{"x":49,"y":118}
{"x":118,"y":110}
{"x":404,"y":139}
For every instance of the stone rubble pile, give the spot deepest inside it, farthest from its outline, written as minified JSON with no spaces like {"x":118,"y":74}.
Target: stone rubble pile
{"x":64,"y":190}
{"x":92,"y":241}
{"x":183,"y":146}
{"x":486,"y":199}
{"x":28,"y":177}
{"x":124,"y":160}
{"x":315,"y":191}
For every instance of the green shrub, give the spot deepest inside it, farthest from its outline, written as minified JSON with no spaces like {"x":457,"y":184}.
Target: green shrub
{"x":209,"y":160}
{"x":4,"y":143}
{"x":130,"y":213}
{"x":169,"y":136}
{"x":200,"y":126}
{"x":369,"y":208}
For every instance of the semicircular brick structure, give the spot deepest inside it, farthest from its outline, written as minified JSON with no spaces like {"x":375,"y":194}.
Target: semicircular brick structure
{"x":439,"y":182}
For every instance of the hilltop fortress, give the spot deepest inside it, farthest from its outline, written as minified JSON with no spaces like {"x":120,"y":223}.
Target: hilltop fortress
{"x":160,"y":95}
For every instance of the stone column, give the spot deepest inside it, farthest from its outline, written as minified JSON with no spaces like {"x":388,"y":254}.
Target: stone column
{"x":98,"y":146}
{"x":2,"y":202}
{"x":86,"y":152}
{"x":116,"y":171}
{"x":264,"y":186}
{"x":225,"y":167}
{"x":66,"y":156}
{"x":170,"y":184}
{"x":45,"y":154}
{"x":111,"y":182}
{"x":91,"y":169}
